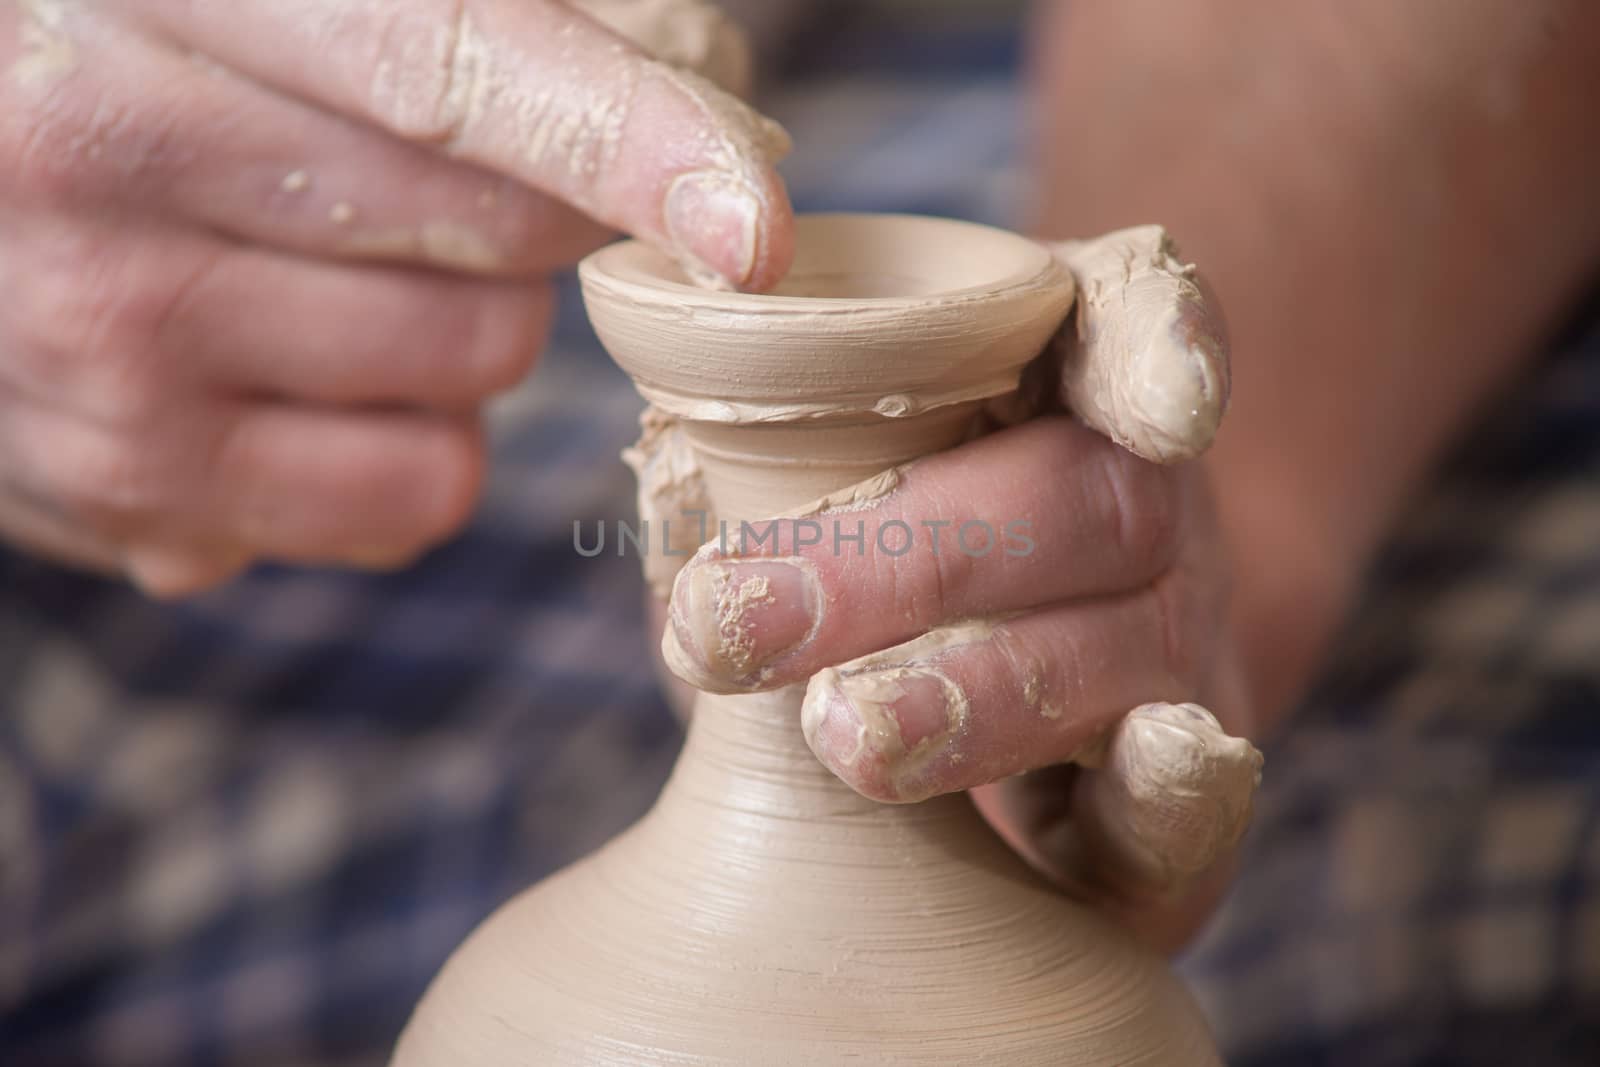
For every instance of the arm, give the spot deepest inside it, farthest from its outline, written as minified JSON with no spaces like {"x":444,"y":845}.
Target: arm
{"x":1393,"y":204}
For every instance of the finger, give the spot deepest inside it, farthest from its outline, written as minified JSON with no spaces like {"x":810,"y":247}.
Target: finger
{"x":534,"y":90}
{"x":308,"y":486}
{"x":116,"y":324}
{"x":1147,"y":362}
{"x":169,"y":572}
{"x":31,"y":524}
{"x":260,"y":322}
{"x":275,"y":481}
{"x":1045,"y":512}
{"x":202,"y":145}
{"x":972,"y":703}
{"x":1041,"y":816}
{"x":1170,"y":794}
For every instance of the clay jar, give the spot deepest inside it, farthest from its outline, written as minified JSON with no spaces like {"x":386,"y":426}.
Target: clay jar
{"x":763,"y":913}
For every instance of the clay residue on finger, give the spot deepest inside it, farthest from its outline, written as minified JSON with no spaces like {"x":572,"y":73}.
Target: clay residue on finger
{"x":687,"y":34}
{"x":879,"y":733}
{"x":858,"y":697}
{"x":443,"y":244}
{"x":1171,"y":794}
{"x":465,"y":87}
{"x":1146,"y":363}
{"x":862,"y":495}
{"x":47,"y":52}
{"x":740,"y":146}
{"x":710,"y":641}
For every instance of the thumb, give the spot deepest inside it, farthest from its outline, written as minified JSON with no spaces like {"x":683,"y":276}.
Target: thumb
{"x":1146,"y":826}
{"x":539,"y":91}
{"x":1147,"y":362}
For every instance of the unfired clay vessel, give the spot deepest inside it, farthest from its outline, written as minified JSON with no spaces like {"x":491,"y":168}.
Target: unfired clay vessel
{"x":763,"y":913}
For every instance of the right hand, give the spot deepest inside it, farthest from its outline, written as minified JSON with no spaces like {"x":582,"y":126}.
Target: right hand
{"x":260,"y":268}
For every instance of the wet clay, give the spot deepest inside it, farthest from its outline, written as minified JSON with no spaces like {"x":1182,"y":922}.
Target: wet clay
{"x":688,"y":34}
{"x":1145,"y":363}
{"x":763,"y":912}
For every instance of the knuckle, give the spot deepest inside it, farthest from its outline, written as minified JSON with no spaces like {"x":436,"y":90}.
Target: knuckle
{"x":58,"y":306}
{"x":44,"y":140}
{"x":1178,"y":620}
{"x":424,"y":68}
{"x":936,"y":577}
{"x":950,"y":582}
{"x":1142,"y":511}
{"x":88,"y":328}
{"x":105,"y":478}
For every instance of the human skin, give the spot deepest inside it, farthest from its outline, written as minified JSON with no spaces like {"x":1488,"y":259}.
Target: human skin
{"x":261,"y":264}
{"x":1392,"y":203}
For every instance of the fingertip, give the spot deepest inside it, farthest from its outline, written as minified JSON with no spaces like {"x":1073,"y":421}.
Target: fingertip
{"x":730,"y":231}
{"x":165,"y":574}
{"x":453,"y":467}
{"x":696,"y":173}
{"x":893,"y":735}
{"x":776,"y":245}
{"x":1183,"y":384}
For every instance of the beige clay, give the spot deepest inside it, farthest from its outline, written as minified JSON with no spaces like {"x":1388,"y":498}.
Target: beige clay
{"x":763,"y":913}
{"x":688,"y":34}
{"x":1145,"y":362}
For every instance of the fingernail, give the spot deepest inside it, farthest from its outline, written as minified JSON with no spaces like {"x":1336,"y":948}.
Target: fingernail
{"x":881,"y":730}
{"x":729,"y":620}
{"x":713,"y":220}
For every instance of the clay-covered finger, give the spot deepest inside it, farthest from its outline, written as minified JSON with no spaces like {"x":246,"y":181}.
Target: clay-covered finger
{"x":972,"y":703}
{"x":1045,"y":512}
{"x":203,"y":146}
{"x":1166,"y":797}
{"x":537,"y":91}
{"x":1145,"y":360}
{"x":1044,"y":817}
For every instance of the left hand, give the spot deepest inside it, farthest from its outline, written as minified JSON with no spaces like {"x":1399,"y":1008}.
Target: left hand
{"x":991,"y":621}
{"x":1120,"y":602}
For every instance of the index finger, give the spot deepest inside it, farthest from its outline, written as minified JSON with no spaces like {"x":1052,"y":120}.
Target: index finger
{"x":540,"y":92}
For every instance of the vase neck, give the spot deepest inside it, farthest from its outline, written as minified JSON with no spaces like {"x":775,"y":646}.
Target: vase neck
{"x":756,"y":471}
{"x":750,"y":746}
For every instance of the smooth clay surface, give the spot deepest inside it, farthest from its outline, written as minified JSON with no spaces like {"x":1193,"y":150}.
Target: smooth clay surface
{"x":763,"y":913}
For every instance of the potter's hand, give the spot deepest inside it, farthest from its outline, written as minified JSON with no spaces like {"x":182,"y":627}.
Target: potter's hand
{"x":1104,"y":582}
{"x":261,"y":263}
{"x":1101,"y":580}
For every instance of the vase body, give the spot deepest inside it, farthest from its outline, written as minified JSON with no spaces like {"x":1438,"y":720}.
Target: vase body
{"x":763,"y":913}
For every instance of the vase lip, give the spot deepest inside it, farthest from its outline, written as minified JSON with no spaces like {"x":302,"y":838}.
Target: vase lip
{"x":650,"y":274}
{"x":889,"y":315}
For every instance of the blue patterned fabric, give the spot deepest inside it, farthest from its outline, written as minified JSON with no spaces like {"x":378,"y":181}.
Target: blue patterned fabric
{"x":247,"y":829}
{"x":1422,"y":883}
